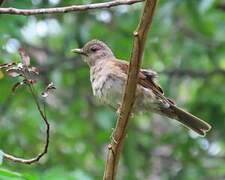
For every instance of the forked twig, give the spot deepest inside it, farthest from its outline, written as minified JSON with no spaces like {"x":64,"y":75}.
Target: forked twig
{"x":28,"y":73}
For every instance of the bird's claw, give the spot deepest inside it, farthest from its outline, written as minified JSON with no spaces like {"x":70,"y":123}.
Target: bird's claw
{"x":112,"y":137}
{"x":118,"y":111}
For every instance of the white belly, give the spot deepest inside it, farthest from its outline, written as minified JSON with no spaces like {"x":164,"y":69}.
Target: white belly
{"x":107,"y":87}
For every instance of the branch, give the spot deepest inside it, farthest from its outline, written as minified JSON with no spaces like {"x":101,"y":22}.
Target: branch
{"x":193,"y":73}
{"x":66,"y":9}
{"x":45,"y":150}
{"x":119,"y":133}
{"x":29,"y":74}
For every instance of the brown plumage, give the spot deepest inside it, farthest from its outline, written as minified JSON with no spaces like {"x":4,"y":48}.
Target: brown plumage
{"x":108,"y":76}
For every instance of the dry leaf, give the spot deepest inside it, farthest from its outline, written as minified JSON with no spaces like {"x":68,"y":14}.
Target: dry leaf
{"x":7,"y":65}
{"x":14,"y":72}
{"x":24,"y":56}
{"x":15,"y":86}
{"x":47,"y":90}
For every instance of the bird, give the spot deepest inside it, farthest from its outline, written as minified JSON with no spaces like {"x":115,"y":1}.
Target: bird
{"x":108,"y":78}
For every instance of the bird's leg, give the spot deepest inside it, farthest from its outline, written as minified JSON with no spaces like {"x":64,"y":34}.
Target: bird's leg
{"x":118,"y":111}
{"x":112,"y":136}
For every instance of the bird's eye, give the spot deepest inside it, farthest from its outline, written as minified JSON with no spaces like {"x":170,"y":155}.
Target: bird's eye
{"x":95,"y":48}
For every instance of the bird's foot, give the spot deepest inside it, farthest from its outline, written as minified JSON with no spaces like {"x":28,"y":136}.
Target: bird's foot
{"x":118,"y":111}
{"x":112,"y":137}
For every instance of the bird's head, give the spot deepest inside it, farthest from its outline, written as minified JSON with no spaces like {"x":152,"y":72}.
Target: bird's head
{"x":94,"y":51}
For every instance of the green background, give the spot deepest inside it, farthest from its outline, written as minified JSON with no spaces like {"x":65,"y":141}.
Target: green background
{"x":186,"y":45}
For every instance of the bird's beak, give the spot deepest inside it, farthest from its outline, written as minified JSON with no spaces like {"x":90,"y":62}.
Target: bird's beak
{"x":79,"y":51}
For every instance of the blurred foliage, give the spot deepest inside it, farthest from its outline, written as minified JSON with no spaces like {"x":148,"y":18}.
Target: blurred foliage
{"x":185,"y":34}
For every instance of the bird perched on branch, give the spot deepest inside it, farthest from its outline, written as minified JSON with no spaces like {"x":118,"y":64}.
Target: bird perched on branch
{"x":108,"y":78}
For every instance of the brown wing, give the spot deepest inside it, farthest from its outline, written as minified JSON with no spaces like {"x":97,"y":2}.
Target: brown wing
{"x":147,"y":81}
{"x":146,"y":78}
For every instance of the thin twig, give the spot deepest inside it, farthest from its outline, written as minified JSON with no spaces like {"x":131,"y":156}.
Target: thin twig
{"x":119,"y":132}
{"x":25,"y":72}
{"x":45,"y":150}
{"x":66,"y":9}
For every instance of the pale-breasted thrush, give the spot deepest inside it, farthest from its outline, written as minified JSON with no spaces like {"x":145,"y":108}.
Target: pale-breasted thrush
{"x":108,"y":77}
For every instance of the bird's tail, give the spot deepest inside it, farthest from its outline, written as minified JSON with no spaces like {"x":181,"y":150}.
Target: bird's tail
{"x":188,"y":120}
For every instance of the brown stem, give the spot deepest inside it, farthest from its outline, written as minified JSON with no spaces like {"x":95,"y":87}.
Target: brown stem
{"x":66,"y":9}
{"x":26,"y":77}
{"x":45,"y":150}
{"x":119,"y":132}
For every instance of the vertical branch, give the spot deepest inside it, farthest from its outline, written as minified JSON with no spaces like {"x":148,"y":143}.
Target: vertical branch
{"x":119,"y":133}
